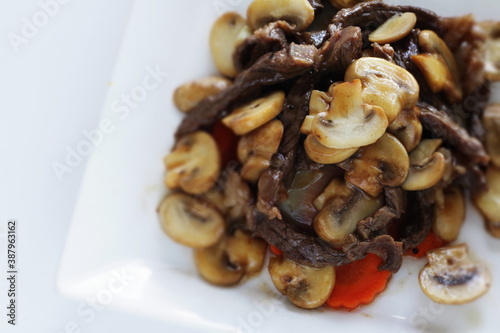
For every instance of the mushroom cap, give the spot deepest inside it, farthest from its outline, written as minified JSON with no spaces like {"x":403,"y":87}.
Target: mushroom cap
{"x":451,"y":277}
{"x":407,"y":128}
{"x":384,"y":163}
{"x":339,"y":217}
{"x":306,"y":287}
{"x":394,"y":29}
{"x":194,"y":164}
{"x":188,"y":95}
{"x":227,"y":32}
{"x":385,"y":85}
{"x":428,"y":166}
{"x":450,"y":218}
{"x":349,"y":123}
{"x":256,"y":148}
{"x":298,"y":13}
{"x":488,"y":202}
{"x":190,"y":221}
{"x":256,"y":113}
{"x":324,"y":155}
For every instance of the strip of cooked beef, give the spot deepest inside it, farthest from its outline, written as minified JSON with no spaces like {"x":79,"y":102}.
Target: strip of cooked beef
{"x":312,"y":251}
{"x":370,"y":15}
{"x":385,"y":51}
{"x":440,"y":125}
{"x":379,"y":223}
{"x":390,"y":251}
{"x":340,"y":50}
{"x":316,"y":38}
{"x":270,"y":38}
{"x":272,"y":182}
{"x":298,"y":246}
{"x":417,"y":222}
{"x":270,"y":69}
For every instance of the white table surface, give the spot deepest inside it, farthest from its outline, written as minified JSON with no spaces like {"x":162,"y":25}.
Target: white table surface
{"x":51,"y":90}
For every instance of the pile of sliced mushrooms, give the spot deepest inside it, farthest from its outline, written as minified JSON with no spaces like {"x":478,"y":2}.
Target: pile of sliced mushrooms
{"x":367,"y":124}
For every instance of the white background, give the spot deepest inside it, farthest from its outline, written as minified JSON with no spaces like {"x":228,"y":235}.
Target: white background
{"x":50,"y":91}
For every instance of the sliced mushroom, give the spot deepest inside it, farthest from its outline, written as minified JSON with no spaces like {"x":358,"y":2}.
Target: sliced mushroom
{"x":450,"y":218}
{"x":188,"y":95}
{"x":430,"y":42}
{"x":451,"y":277}
{"x":194,"y":164}
{"x":492,"y":61}
{"x":319,"y":102}
{"x":339,"y":4}
{"x":227,"y":32}
{"x":256,"y":148}
{"x":214,"y":265}
{"x":306,"y":127}
{"x":324,"y":155}
{"x":341,"y":213}
{"x":394,"y":29}
{"x":246,"y":251}
{"x":252,"y":115}
{"x":488,"y":202}
{"x":435,"y":71}
{"x":306,"y":287}
{"x":298,"y":13}
{"x":336,"y":189}
{"x":407,"y":128}
{"x":349,"y":123}
{"x":491,"y":122}
{"x":190,"y":221}
{"x":384,"y":163}
{"x":427,"y":166}
{"x":385,"y":84}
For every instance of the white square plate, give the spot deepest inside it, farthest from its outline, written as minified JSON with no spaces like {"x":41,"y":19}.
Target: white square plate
{"x":115,"y":250}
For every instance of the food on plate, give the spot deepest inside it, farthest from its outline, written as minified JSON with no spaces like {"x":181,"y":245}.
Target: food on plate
{"x":340,"y":145}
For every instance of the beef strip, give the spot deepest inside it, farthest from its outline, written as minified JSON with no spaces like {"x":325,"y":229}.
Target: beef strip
{"x":440,"y":125}
{"x":269,"y":70}
{"x":340,"y":50}
{"x":272,"y":182}
{"x":312,"y":251}
{"x":379,"y":223}
{"x":317,"y":4}
{"x":370,"y":15}
{"x":419,"y":218}
{"x":390,"y":251}
{"x":297,"y":246}
{"x":270,"y":38}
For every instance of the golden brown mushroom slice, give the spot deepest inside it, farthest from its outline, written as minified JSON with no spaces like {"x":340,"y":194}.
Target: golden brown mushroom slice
{"x":190,"y":221}
{"x":188,"y":95}
{"x":407,"y":128}
{"x":349,"y":123}
{"x":488,"y":202}
{"x":254,"y":114}
{"x":427,"y":166}
{"x":438,"y":54}
{"x":491,"y":122}
{"x":344,"y":208}
{"x":233,"y":258}
{"x":492,"y":61}
{"x":324,"y":155}
{"x":298,"y":13}
{"x":227,"y":32}
{"x":451,"y":277}
{"x":394,"y":29}
{"x":385,"y":84}
{"x":384,"y":163}
{"x":450,"y":218}
{"x":306,"y":287}
{"x":194,"y":164}
{"x":256,"y":148}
